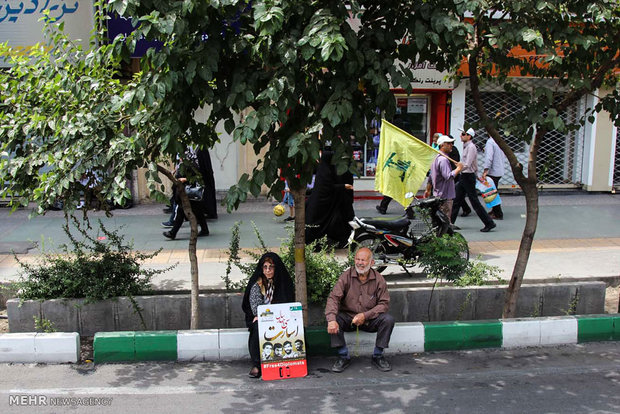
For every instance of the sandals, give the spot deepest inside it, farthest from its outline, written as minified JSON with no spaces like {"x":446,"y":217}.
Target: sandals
{"x":254,"y":372}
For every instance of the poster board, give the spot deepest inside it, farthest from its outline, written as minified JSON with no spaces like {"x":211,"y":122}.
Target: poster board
{"x":282,"y":341}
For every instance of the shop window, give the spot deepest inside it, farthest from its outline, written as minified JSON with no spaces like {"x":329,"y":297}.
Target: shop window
{"x":411,"y":116}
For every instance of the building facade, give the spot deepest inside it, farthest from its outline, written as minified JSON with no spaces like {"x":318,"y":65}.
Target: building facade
{"x":588,"y":158}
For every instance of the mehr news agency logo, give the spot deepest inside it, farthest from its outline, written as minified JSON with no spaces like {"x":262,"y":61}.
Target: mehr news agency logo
{"x":34,"y":400}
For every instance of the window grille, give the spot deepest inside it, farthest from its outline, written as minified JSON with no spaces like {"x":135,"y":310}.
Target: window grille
{"x":560,"y":157}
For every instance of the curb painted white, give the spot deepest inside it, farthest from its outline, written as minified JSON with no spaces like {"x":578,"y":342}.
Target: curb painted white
{"x":234,"y":344}
{"x":57,"y":347}
{"x":17,"y":347}
{"x":200,"y":345}
{"x":407,"y":337}
{"x":523,"y":332}
{"x":559,"y":330}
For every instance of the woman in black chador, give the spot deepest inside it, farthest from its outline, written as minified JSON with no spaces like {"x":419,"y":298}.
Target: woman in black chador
{"x":270,"y":283}
{"x":330,"y":206}
{"x":208,"y":196}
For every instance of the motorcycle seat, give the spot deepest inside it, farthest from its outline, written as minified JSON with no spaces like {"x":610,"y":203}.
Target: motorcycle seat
{"x":430,"y":201}
{"x":397,"y":224}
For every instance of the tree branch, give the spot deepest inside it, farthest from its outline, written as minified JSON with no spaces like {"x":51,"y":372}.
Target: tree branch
{"x":474,"y":83}
{"x":597,"y":81}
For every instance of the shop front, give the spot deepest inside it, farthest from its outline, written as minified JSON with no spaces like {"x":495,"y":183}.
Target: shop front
{"x":422,"y":113}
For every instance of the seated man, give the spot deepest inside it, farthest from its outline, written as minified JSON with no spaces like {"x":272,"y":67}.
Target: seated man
{"x":360,"y":297}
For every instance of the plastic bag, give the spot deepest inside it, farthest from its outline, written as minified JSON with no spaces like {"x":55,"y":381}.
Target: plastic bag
{"x":489,"y":193}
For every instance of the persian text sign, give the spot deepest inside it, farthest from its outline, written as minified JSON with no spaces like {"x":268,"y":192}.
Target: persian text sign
{"x":282,"y":342}
{"x":20,"y":25}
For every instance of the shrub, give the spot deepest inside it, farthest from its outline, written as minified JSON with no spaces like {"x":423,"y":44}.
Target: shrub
{"x":444,"y":256}
{"x":478,"y":273}
{"x":91,"y":268}
{"x":322,"y":267}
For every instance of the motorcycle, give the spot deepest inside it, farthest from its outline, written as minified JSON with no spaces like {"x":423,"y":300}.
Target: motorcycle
{"x":398,"y":241}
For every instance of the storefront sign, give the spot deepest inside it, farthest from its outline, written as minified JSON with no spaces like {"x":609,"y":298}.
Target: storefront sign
{"x":425,"y":76}
{"x":20,"y":25}
{"x":282,"y":341}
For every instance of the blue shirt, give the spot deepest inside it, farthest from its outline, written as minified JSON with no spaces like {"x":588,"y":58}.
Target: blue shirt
{"x":494,"y":158}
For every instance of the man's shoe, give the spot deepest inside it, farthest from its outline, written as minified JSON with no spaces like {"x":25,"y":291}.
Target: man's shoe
{"x":455,"y":227}
{"x":167,"y":224}
{"x":488,"y":228}
{"x":289,"y":218}
{"x":381,"y":363}
{"x":203,"y":232}
{"x":494,"y":217}
{"x":381,"y":210}
{"x":254,"y":372}
{"x":169,"y":235}
{"x":464,"y":214}
{"x":341,"y":364}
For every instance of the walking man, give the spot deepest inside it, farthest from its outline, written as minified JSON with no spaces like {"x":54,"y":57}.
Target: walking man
{"x":442,"y":176}
{"x":494,"y":168}
{"x":359,"y":299}
{"x":467,"y":184}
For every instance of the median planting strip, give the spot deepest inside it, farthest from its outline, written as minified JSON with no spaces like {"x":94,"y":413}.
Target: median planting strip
{"x":231,"y":344}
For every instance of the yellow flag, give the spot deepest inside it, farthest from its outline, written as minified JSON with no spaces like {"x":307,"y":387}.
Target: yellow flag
{"x":402,"y":163}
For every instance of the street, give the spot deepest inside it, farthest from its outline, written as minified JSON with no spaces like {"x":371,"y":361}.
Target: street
{"x":563,"y":379}
{"x":578,"y":237}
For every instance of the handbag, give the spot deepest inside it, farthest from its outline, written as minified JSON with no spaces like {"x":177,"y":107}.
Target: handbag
{"x":194,"y":192}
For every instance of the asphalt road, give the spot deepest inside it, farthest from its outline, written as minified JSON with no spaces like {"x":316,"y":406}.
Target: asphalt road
{"x":563,"y":379}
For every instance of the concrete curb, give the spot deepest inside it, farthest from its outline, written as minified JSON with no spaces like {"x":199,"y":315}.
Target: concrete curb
{"x":57,"y":347}
{"x":231,"y":344}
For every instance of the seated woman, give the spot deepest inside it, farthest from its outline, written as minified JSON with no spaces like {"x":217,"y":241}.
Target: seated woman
{"x":270,"y":283}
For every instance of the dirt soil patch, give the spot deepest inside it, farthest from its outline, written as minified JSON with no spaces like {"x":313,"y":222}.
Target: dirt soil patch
{"x":4,"y":322}
{"x":86,"y":348}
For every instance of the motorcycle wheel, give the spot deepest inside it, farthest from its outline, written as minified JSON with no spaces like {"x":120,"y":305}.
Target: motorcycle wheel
{"x":375,"y":246}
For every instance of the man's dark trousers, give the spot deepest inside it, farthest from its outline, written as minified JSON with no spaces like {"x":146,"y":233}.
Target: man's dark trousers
{"x":467,"y":187}
{"x":497,"y":210}
{"x":382,"y":325}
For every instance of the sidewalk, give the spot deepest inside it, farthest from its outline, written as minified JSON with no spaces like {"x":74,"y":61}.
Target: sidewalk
{"x":578,"y":238}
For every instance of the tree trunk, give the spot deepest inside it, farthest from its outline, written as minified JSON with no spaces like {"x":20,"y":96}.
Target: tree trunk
{"x":193,"y":258}
{"x":193,"y":238}
{"x":527,"y":238}
{"x":301,"y":290}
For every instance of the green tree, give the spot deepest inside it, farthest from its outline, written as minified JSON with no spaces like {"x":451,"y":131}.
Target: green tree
{"x":294,"y":70}
{"x":72,"y":124}
{"x":573,"y":46}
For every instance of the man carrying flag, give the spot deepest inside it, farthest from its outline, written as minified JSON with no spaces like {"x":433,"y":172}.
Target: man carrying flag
{"x":442,"y":176}
{"x":402,"y":163}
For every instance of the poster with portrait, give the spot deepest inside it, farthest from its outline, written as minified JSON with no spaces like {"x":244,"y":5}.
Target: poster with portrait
{"x":282,"y":341}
